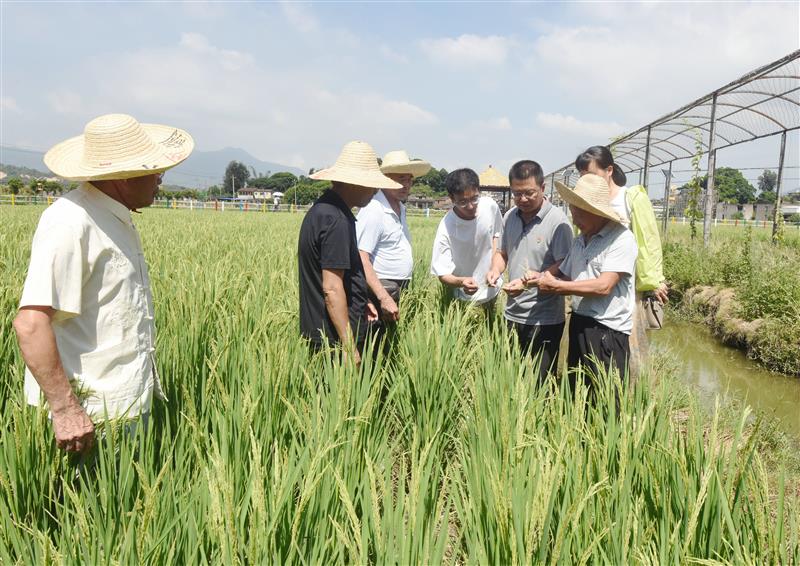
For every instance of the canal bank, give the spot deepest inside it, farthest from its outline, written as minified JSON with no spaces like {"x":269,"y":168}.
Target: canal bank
{"x":714,"y":369}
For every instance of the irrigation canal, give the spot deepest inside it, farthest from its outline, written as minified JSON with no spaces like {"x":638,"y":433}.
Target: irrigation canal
{"x":716,"y":369}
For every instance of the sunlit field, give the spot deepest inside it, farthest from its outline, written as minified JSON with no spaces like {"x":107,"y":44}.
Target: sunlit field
{"x":446,"y":451}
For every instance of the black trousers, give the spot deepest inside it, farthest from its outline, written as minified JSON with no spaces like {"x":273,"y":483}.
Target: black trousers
{"x":379,"y":329}
{"x":544,"y":339}
{"x":593,"y":345}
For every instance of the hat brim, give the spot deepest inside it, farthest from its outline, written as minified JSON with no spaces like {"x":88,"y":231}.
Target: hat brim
{"x":359,"y":177}
{"x":415,"y":168}
{"x":576,"y":200}
{"x":172,"y":146}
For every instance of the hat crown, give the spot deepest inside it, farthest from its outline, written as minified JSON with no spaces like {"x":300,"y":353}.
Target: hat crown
{"x":113,"y":136}
{"x":397,"y":157}
{"x":358,"y":155}
{"x":594,"y":189}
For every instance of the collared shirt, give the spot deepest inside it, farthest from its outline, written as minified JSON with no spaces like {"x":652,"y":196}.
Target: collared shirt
{"x":537,"y":245}
{"x":328,"y":241}
{"x":620,"y":205}
{"x":464,"y":248}
{"x":87,"y":264}
{"x":384,"y":235}
{"x":613,"y":248}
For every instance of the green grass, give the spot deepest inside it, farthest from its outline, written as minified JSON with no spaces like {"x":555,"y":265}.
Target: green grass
{"x":445,"y":453}
{"x":765,"y":278}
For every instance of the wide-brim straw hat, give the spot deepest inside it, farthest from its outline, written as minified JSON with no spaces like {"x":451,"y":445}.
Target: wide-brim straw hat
{"x":590,"y":194}
{"x":399,"y":162}
{"x":357,"y":165}
{"x":116,"y":146}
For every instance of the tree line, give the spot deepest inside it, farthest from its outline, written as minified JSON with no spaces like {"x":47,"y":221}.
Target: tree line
{"x":731,"y":186}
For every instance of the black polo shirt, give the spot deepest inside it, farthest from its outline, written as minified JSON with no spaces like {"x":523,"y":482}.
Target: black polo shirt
{"x":328,"y":241}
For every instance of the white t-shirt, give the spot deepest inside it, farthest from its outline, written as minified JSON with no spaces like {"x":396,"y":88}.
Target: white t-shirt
{"x":87,"y":264}
{"x":464,"y":248}
{"x":385,"y":237}
{"x":620,"y":206}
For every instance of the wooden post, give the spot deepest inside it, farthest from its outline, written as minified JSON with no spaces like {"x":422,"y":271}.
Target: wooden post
{"x":776,"y":218}
{"x":712,"y":162}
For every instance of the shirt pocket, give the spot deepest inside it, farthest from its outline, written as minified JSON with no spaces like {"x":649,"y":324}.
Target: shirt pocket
{"x":111,"y":372}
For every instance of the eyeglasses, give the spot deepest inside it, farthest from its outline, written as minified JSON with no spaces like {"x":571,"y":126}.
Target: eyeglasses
{"x":464,"y":203}
{"x":523,"y":194}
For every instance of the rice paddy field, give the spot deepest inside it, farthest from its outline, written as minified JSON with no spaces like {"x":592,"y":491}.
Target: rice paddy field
{"x":444,"y":452}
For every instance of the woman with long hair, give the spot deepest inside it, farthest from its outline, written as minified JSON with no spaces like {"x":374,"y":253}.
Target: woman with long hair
{"x":634,"y":207}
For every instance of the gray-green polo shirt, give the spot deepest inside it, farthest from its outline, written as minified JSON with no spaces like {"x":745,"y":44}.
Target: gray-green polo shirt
{"x":537,"y":245}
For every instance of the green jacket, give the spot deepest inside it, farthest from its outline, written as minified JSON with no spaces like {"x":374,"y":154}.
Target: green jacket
{"x":649,"y":270}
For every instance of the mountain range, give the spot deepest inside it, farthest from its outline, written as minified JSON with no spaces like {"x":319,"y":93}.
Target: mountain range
{"x":202,"y":169}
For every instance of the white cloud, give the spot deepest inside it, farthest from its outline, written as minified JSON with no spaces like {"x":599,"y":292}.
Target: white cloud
{"x":229,"y":59}
{"x":392,"y":55}
{"x":64,"y":101}
{"x":467,"y":50}
{"x":573,"y":126}
{"x":300,"y":16}
{"x":194,"y":84}
{"x":623,"y":59}
{"x":9,"y":104}
{"x":502,"y":124}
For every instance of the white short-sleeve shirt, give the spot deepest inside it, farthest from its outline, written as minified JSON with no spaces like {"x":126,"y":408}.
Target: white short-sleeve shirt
{"x":384,"y":235}
{"x":611,"y":249}
{"x":87,"y":264}
{"x":464,"y":248}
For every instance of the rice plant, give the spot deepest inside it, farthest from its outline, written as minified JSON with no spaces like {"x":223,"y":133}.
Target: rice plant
{"x":443,"y":451}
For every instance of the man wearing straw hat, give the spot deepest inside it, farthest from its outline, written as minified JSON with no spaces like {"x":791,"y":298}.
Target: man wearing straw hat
{"x":85,"y":324}
{"x":334,"y":306}
{"x":384,"y":240}
{"x":599,"y":272}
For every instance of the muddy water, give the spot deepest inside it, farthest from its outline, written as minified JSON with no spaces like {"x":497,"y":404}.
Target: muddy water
{"x":716,"y":369}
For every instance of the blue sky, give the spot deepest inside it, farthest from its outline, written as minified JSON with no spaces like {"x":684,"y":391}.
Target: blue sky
{"x":458,"y":84}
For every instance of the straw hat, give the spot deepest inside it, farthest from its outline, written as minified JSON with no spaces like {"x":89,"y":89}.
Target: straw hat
{"x":399,"y":162}
{"x":357,"y":165}
{"x":116,"y":146}
{"x":590,"y":194}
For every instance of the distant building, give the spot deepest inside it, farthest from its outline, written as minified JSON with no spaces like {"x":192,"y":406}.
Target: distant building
{"x":496,"y":184}
{"x":254,"y":193}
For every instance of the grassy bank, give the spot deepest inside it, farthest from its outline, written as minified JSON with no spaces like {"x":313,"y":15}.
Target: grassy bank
{"x":447,"y":454}
{"x":745,"y":288}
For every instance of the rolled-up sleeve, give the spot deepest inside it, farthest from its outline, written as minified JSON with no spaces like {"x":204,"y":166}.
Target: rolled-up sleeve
{"x":56,"y":270}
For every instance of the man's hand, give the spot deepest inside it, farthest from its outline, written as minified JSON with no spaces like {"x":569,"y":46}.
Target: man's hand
{"x":469,"y":285}
{"x":662,"y":293}
{"x":531,"y":278}
{"x":492,"y":277}
{"x":74,"y":431}
{"x":514,"y":288}
{"x":350,"y":354}
{"x":372,"y":313}
{"x":547,"y":283}
{"x":389,"y":310}
{"x":73,"y":428}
